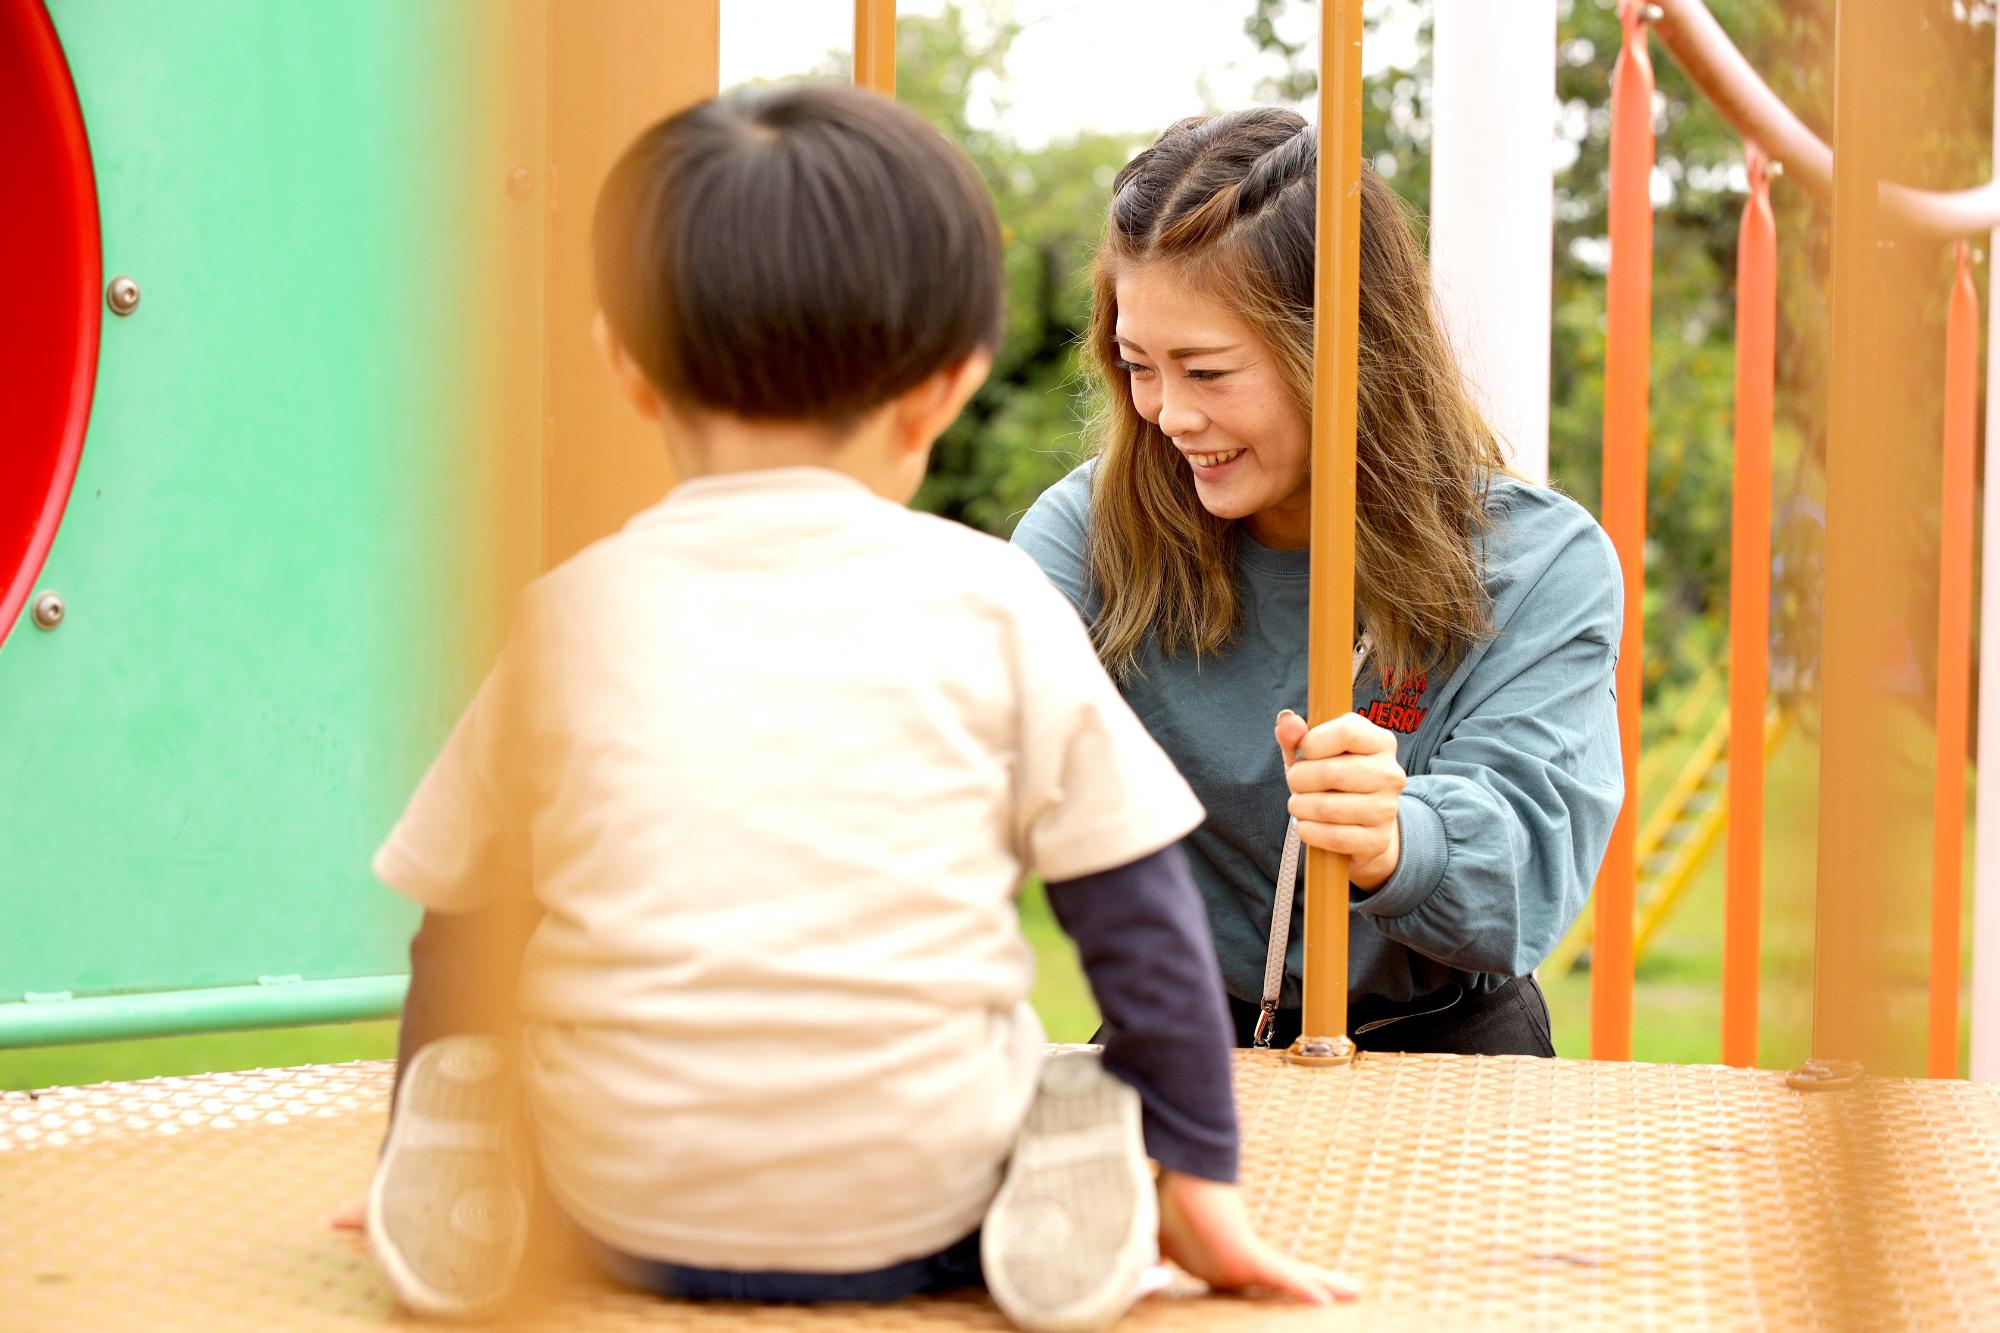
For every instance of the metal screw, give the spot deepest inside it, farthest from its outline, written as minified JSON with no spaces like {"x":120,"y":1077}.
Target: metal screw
{"x":1773,"y":169}
{"x":123,"y":296}
{"x":48,"y":610}
{"x":1651,"y":14}
{"x":520,"y":182}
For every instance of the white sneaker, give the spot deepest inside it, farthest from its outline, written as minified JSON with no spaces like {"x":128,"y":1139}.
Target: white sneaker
{"x":448,"y":1208}
{"x":1076,"y":1223}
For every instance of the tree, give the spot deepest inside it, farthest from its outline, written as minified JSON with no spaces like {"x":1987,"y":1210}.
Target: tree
{"x":1022,"y":431}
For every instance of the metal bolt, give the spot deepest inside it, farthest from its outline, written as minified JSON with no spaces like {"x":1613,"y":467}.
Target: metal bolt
{"x":1827,"y":1074}
{"x":122,"y":296}
{"x":1773,"y":169}
{"x":48,"y":610}
{"x":1651,"y":14}
{"x":520,"y":182}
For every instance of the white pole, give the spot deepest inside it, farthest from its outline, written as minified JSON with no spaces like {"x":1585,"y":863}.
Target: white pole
{"x":1985,"y":1016}
{"x":1493,"y":107}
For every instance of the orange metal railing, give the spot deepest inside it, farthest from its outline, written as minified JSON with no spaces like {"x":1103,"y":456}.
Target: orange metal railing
{"x":1628,"y":347}
{"x":1954,"y":664}
{"x":1749,"y":608}
{"x":1870,"y":204}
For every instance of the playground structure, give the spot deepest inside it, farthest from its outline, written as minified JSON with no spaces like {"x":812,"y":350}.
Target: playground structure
{"x":1520,"y":1191}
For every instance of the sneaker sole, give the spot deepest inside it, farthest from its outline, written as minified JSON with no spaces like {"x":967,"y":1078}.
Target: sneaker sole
{"x":1076,"y":1222}
{"x":461,"y":1083}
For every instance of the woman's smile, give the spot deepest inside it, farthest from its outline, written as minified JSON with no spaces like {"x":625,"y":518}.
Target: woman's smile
{"x":1211,"y":466}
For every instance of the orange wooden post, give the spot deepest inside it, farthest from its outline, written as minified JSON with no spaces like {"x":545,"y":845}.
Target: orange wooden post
{"x":1749,"y":609}
{"x":1330,"y":622}
{"x":614,"y":67}
{"x":1627,"y":351}
{"x":1868,"y":909}
{"x":1954,"y":665}
{"x":875,"y":45}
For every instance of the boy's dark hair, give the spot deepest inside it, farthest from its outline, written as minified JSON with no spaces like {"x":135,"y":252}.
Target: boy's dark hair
{"x":802,"y":254}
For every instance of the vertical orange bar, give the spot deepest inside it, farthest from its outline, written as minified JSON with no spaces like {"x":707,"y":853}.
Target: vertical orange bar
{"x":1749,"y":610}
{"x":1330,"y":623}
{"x":1627,"y":352}
{"x":875,"y":45}
{"x":1869,"y":910}
{"x":1954,"y":669}
{"x":615,"y":67}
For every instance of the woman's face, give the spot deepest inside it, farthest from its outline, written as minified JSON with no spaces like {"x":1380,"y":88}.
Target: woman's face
{"x":1213,"y":387}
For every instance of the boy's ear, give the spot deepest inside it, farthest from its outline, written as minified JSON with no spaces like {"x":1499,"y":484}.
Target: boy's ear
{"x":632,"y":384}
{"x":923,"y":413}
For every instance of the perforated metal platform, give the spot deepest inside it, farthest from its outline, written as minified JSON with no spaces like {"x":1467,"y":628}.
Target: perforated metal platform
{"x":1461,"y":1191}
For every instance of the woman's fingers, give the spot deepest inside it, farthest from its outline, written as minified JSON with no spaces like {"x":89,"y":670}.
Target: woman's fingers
{"x":1360,"y":843}
{"x":1360,"y":774}
{"x":1350,"y":733}
{"x":1367,"y":810}
{"x":1290,"y":731}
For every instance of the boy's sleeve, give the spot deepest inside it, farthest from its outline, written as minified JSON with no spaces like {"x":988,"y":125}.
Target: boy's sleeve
{"x":1143,"y":939}
{"x":1092,"y":789}
{"x":462,"y":840}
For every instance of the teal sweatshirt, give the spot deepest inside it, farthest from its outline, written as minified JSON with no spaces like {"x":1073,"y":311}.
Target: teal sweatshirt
{"x":1513,"y":756}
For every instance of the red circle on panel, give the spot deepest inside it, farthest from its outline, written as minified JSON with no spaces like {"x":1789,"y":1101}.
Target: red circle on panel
{"x":51,"y":267}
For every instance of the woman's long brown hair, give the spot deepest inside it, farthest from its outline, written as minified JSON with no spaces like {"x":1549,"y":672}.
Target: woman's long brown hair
{"x":1228,"y":200}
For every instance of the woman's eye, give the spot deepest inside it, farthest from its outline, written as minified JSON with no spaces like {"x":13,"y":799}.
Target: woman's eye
{"x":1130,"y":367}
{"x":1206,"y":374}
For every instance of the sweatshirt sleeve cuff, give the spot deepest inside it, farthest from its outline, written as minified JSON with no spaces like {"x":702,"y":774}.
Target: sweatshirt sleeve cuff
{"x":1419,"y":869}
{"x":1210,"y":1156}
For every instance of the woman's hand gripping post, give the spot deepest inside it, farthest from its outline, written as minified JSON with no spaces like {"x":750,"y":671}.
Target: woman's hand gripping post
{"x":1346,"y":788}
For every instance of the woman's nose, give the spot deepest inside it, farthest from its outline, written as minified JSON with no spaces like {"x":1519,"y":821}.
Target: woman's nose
{"x":1178,"y":415}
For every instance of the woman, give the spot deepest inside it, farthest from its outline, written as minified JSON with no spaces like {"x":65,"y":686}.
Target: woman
{"x":1475,"y":787}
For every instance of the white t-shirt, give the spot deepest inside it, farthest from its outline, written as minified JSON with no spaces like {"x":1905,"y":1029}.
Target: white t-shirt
{"x":774,"y":760}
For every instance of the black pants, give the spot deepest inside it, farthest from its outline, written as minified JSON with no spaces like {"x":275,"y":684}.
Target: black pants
{"x":1510,"y":1020}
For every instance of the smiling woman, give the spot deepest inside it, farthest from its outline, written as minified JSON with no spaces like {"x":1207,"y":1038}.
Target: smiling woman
{"x":1475,"y":790}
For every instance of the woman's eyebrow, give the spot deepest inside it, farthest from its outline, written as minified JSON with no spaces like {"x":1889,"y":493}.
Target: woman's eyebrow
{"x":1183,"y":353}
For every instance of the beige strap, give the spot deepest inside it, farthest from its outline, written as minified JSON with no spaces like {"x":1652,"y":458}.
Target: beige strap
{"x":1281,"y":904}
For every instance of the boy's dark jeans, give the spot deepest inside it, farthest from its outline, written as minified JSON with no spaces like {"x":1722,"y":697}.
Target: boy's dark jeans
{"x":952,"y":1269}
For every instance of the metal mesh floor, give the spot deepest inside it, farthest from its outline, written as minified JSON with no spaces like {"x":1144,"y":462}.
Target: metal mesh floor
{"x":1459,"y":1190}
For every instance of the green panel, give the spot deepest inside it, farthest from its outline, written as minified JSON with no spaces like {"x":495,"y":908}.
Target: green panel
{"x":274,"y":605}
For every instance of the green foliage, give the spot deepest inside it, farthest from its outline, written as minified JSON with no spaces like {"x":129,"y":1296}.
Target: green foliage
{"x":1023,"y":430}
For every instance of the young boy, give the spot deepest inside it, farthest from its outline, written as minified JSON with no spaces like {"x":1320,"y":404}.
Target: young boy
{"x":766,"y":769}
